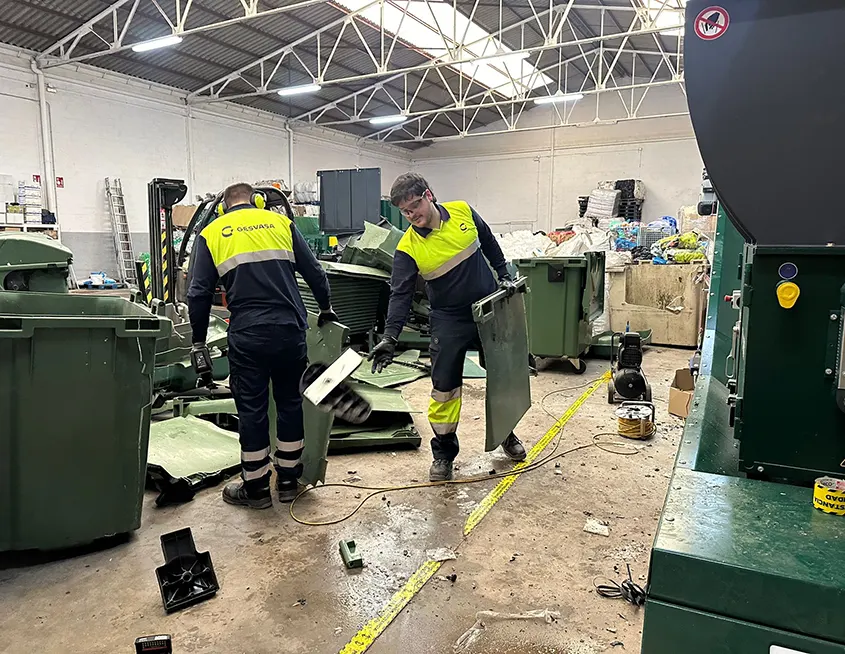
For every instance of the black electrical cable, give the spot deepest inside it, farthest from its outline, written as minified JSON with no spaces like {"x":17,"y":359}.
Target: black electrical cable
{"x":627,"y":590}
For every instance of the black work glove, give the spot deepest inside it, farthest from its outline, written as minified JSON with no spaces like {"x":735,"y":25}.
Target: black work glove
{"x":203,"y":366}
{"x":383,"y":353}
{"x":327,"y":315}
{"x":508,"y":285}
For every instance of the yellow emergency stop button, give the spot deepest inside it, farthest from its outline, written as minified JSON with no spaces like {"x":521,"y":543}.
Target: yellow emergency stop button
{"x":788,"y":293}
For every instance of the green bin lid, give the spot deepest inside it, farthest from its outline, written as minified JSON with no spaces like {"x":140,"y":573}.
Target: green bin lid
{"x":26,"y":251}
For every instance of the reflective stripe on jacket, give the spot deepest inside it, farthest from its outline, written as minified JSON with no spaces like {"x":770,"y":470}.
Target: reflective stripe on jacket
{"x":445,"y":247}
{"x":256,"y":254}
{"x":248,"y":236}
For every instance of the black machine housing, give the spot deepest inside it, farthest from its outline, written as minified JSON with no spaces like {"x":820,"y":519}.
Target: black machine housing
{"x":628,"y":379}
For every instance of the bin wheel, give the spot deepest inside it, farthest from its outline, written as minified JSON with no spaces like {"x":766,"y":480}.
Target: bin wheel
{"x":611,"y":393}
{"x":580,"y":366}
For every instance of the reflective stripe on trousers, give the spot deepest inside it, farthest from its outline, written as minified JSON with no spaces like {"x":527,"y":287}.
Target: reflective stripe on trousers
{"x":288,"y":453}
{"x":444,"y":411}
{"x":258,"y":355}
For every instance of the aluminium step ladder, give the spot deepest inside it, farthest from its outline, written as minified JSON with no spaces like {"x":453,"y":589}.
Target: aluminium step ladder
{"x":120,"y":227}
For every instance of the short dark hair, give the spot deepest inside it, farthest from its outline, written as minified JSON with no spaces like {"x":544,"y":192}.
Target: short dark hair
{"x":408,"y":186}
{"x":240,"y":193}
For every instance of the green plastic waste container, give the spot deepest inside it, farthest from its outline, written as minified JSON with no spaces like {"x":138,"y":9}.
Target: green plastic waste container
{"x":566,"y":296}
{"x":75,"y":389}
{"x":33,"y":262}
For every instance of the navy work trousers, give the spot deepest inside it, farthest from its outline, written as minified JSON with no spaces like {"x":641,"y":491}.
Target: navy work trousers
{"x":258,"y":355}
{"x":450,"y":340}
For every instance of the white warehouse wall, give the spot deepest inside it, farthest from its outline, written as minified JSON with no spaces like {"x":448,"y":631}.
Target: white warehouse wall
{"x":532,"y":179}
{"x":107,"y":125}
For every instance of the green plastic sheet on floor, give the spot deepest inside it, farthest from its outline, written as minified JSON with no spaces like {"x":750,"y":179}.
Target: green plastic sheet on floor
{"x":390,"y":424}
{"x":395,"y":374}
{"x":187,"y":454}
{"x":471,"y":369}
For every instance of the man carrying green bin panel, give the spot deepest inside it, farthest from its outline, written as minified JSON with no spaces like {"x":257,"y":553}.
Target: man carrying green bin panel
{"x":447,"y":244}
{"x":256,"y":254}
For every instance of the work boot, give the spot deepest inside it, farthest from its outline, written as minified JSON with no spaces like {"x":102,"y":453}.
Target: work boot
{"x":236,"y":493}
{"x":441,"y":470}
{"x":513,"y":448}
{"x":288,"y":489}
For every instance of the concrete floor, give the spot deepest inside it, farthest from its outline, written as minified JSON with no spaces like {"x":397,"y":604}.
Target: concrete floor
{"x":283,"y":587}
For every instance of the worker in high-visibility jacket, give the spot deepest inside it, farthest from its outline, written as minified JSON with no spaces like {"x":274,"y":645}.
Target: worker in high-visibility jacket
{"x":446,"y":244}
{"x":256,"y":254}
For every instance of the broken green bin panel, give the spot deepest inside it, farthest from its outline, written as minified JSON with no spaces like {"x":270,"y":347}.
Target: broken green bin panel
{"x":176,"y":346}
{"x":75,"y":392}
{"x":324,"y":346}
{"x":356,"y":292}
{"x":395,"y":374}
{"x":189,"y":446}
{"x":375,"y":247}
{"x":350,"y":439}
{"x":566,"y":296}
{"x":504,"y":338}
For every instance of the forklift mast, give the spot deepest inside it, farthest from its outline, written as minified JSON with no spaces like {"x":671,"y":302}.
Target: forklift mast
{"x":162,"y":194}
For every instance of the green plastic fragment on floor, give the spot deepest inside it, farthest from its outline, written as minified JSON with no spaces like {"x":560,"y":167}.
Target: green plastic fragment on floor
{"x":471,"y":369}
{"x":394,"y":435}
{"x":395,"y":374}
{"x":383,"y":399}
{"x":189,"y":445}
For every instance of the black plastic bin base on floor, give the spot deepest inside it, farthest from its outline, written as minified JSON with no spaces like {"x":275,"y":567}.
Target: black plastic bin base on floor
{"x":187,"y":576}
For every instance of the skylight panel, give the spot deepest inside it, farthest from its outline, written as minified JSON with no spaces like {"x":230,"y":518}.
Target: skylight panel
{"x":671,"y":19}
{"x":436,"y":29}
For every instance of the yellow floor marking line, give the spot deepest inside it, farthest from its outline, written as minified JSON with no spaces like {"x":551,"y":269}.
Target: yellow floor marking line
{"x":373,"y":629}
{"x":502,"y":487}
{"x":363,"y":640}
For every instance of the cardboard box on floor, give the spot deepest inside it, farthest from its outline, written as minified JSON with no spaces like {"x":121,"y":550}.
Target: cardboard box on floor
{"x":182,"y":214}
{"x":680,"y":393}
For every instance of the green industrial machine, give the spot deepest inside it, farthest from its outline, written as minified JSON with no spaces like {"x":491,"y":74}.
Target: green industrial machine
{"x":33,"y":262}
{"x":742,"y":561}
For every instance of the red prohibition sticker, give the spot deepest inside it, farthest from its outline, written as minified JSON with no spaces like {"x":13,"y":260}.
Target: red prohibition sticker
{"x":712,"y":23}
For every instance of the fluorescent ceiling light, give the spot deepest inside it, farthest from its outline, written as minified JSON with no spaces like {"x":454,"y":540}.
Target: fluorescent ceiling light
{"x":387,"y":120}
{"x":507,"y":73}
{"x":296,"y":90}
{"x":559,"y":97}
{"x":155,"y":44}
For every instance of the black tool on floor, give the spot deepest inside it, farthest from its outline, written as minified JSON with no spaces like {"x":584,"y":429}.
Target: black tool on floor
{"x":187,"y":576}
{"x":628,"y":379}
{"x":628,"y":590}
{"x":342,"y":401}
{"x":160,"y":644}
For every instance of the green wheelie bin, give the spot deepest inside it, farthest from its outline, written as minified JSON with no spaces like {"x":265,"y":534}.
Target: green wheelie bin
{"x":75,"y":391}
{"x":566,"y":295}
